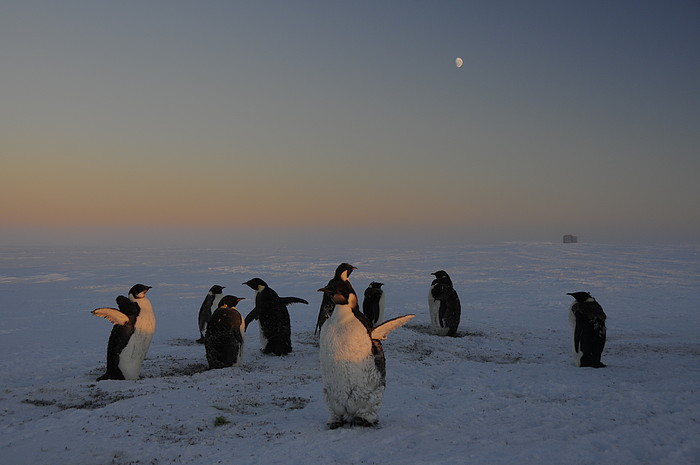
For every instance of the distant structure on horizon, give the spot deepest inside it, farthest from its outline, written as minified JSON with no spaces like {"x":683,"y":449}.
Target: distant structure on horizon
{"x":570,"y":239}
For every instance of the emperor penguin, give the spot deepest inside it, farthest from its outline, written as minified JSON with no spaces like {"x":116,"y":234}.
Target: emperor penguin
{"x":444,"y":306}
{"x":342,"y":273}
{"x":211,"y":303}
{"x":134,"y":325}
{"x":373,"y":303}
{"x":587,"y":320}
{"x":353,"y":367}
{"x":225,"y":334}
{"x":271,"y":310}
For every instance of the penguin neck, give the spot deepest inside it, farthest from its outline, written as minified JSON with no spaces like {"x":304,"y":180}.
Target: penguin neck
{"x":144,"y":305}
{"x":146,"y":321}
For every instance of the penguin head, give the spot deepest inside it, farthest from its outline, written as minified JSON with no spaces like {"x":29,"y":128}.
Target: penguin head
{"x":339,"y":294}
{"x":376,"y":285}
{"x":138,"y":291}
{"x":581,"y":296}
{"x":256,"y":284}
{"x":216,"y":289}
{"x":230,"y":301}
{"x":343,"y":271}
{"x":442,"y":276}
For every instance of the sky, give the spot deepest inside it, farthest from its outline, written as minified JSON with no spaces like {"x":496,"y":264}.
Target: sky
{"x":296,"y":117}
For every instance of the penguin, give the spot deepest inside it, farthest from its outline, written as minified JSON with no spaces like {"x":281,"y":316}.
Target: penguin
{"x":353,"y":366}
{"x":373,"y":303}
{"x":225,"y":334}
{"x":271,"y":310}
{"x":211,"y":303}
{"x":444,"y":306}
{"x":587,"y":320}
{"x":342,"y":273}
{"x":134,"y":325}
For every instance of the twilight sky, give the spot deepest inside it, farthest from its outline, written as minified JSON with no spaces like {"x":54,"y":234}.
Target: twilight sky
{"x":567,"y":117}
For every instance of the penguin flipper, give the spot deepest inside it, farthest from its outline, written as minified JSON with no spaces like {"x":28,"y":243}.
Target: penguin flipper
{"x":381,"y":331}
{"x":292,"y":300}
{"x":253,"y":315}
{"x":115,"y":316}
{"x":324,"y":313}
{"x":127,"y":307}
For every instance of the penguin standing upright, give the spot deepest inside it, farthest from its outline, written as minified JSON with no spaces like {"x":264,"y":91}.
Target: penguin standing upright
{"x":225,"y":334}
{"x":353,"y":367}
{"x":444,"y":306}
{"x":373,"y":303}
{"x":587,"y":320}
{"x":134,"y":325}
{"x":342,"y":273}
{"x":211,"y":303}
{"x":271,"y":310}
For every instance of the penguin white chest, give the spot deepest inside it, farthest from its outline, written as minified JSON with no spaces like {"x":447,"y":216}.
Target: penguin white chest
{"x":434,"y":308}
{"x":572,"y":323}
{"x":346,"y":339}
{"x":131,"y":357}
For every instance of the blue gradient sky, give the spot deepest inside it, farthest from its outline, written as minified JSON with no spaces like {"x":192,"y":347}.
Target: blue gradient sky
{"x":567,"y":117}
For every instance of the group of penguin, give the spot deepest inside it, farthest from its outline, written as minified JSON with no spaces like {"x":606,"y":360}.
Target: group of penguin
{"x":352,"y":359}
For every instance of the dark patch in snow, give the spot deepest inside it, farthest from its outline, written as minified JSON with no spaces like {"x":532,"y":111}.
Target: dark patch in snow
{"x":65,"y":399}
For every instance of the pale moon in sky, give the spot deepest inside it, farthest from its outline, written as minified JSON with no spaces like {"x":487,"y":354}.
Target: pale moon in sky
{"x":459,"y":62}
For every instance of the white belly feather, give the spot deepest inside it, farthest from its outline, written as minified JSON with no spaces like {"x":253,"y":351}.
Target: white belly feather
{"x":572,"y":323}
{"x":352,"y":384}
{"x":131,"y":357}
{"x":434,"y":308}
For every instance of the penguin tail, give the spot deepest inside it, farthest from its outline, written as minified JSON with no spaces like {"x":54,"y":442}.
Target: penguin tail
{"x":112,"y":314}
{"x":381,"y":331}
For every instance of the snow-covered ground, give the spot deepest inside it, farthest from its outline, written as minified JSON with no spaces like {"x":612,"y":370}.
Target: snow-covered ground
{"x":505,"y":392}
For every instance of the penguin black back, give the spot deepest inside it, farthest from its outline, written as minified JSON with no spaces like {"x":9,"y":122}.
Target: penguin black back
{"x":444,"y":305}
{"x":589,"y":331}
{"x":211,"y":303}
{"x":271,"y":312}
{"x":224,"y":338}
{"x":373,"y":303}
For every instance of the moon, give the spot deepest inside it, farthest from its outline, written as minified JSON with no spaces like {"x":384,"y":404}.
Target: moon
{"x":459,"y":62}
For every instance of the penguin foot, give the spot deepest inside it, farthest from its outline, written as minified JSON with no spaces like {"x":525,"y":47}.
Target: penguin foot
{"x":357,"y":421}
{"x":594,"y":364}
{"x":335,"y":424}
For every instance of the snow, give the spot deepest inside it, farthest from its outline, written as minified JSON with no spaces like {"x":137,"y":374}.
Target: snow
{"x":504,"y":392}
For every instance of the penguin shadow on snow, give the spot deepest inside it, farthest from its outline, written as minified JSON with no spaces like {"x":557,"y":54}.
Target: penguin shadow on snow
{"x":182,"y":341}
{"x":88,"y":397}
{"x":434,"y":348}
{"x":426,"y":329}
